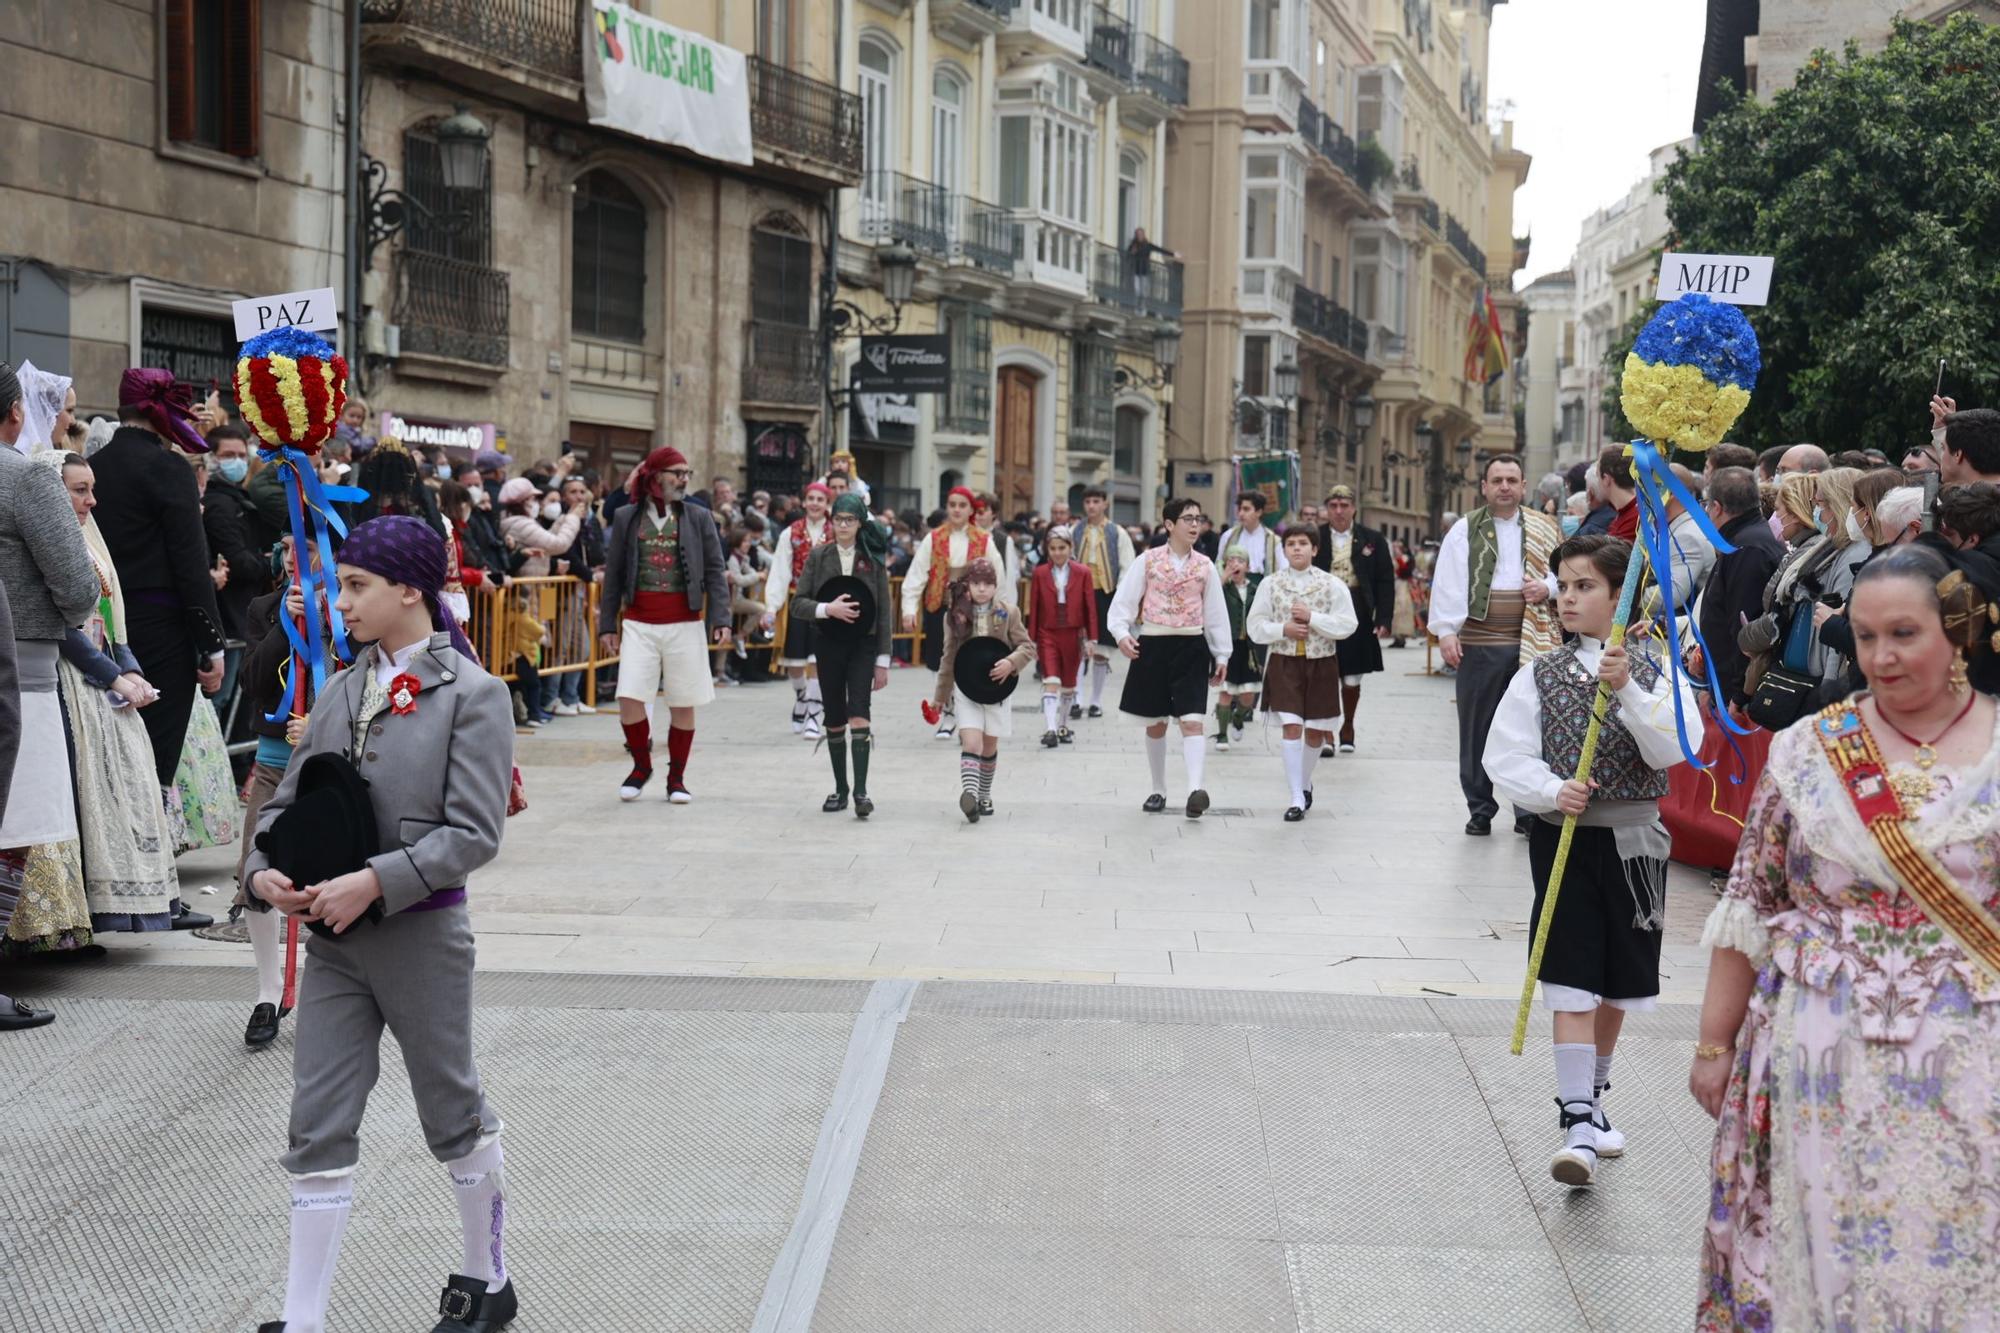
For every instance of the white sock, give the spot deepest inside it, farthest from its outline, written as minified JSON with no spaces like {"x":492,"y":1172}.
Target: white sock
{"x":1100,"y":671}
{"x":1295,"y":770}
{"x":1156,"y":759}
{"x":267,"y":946}
{"x":812,"y":696}
{"x":1574,"y":1064}
{"x":1194,"y":749}
{"x":481,"y":1186}
{"x":320,"y":1205}
{"x":1062,"y":709}
{"x":1308,"y":757}
{"x":1601,"y":1076}
{"x":1051,"y":711}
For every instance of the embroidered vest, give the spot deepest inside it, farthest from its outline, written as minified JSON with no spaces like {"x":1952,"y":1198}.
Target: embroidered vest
{"x":1173,"y":597}
{"x":660,"y":568}
{"x":1342,"y":558}
{"x":940,"y":575}
{"x":1568,"y":692}
{"x":803,"y":545}
{"x":1097,"y":547}
{"x":1314,"y":587}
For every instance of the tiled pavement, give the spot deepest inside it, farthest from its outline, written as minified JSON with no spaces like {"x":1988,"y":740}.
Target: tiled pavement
{"x":1206,"y":1146}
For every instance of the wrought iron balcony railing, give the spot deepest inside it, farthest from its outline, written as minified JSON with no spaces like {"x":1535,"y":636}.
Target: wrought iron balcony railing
{"x":1325,"y":318}
{"x":1409,"y":177}
{"x":982,"y":234}
{"x":447,"y":307}
{"x":896,"y":207}
{"x":1151,"y":286}
{"x":1460,"y":240}
{"x":1309,"y":122}
{"x":781,"y":363}
{"x":1336,"y":147}
{"x":803,"y":115}
{"x":1160,"y":70}
{"x":1110,"y":45}
{"x":542,"y":35}
{"x":1432,"y":217}
{"x":967,"y":408}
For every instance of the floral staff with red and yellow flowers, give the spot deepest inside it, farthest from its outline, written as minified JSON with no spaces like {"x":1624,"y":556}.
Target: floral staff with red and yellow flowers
{"x":291,"y":386}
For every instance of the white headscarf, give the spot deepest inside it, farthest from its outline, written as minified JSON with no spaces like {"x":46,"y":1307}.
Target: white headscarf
{"x":100,"y":555}
{"x":42,"y":399}
{"x":100,"y":433}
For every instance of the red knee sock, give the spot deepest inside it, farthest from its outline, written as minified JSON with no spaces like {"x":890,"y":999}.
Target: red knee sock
{"x":639,"y":740}
{"x":679,"y":742}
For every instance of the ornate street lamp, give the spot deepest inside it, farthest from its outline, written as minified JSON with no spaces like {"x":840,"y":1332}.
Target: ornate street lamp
{"x":897,"y":265}
{"x":1362,"y":412}
{"x":1166,"y":355}
{"x":462,"y":140}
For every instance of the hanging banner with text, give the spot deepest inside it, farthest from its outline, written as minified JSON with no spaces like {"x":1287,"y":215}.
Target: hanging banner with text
{"x":904,"y":363}
{"x":1733,"y":279}
{"x":664,"y":84}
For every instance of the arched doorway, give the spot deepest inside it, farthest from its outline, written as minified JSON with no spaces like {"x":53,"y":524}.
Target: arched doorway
{"x":1014,"y":440}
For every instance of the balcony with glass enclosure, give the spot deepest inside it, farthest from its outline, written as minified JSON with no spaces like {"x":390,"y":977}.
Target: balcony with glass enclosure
{"x":1274,"y":79}
{"x":970,"y":21}
{"x":1049,"y":27}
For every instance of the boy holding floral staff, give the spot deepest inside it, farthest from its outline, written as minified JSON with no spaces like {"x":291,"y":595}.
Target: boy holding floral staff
{"x":1603,"y":955}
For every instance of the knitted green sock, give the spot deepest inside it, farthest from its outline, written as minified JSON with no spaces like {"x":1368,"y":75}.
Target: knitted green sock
{"x":836,"y":750}
{"x":864,"y":742}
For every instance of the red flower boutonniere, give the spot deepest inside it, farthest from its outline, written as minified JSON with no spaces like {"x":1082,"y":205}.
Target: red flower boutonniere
{"x":403,"y":691}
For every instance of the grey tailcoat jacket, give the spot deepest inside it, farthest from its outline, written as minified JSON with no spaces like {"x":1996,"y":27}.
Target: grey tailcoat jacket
{"x":701,"y":557}
{"x":438,"y":776}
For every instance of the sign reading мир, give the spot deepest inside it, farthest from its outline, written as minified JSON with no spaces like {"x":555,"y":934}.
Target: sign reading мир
{"x":1732,"y":279}
{"x":662,"y":83}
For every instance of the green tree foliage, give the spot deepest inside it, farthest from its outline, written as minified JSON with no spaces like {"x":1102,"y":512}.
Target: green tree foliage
{"x":1875,"y":182}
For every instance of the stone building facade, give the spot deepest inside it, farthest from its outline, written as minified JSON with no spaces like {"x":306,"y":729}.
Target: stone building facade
{"x":153,"y":169}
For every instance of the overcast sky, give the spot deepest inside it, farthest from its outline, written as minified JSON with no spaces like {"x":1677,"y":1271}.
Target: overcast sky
{"x":1596,"y":85}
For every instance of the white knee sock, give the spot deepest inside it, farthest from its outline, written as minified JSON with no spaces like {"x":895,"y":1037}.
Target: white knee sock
{"x":1100,"y":671}
{"x":1575,"y":1063}
{"x":1295,"y":770}
{"x":1062,"y":708}
{"x":481,"y":1186}
{"x":1194,"y":749}
{"x":812,"y":696}
{"x":1600,"y":1076}
{"x":1307,"y":759}
{"x":1156,"y":759}
{"x":320,"y":1205}
{"x":1051,"y":711}
{"x":267,"y":946}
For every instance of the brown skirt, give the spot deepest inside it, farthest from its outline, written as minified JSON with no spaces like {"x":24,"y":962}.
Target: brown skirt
{"x":1307,"y":687}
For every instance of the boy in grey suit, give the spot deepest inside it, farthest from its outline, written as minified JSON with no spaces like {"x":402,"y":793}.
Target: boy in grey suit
{"x":433,"y":734}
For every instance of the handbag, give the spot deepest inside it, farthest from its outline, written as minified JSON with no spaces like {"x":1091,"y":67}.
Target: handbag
{"x":1787,"y":691}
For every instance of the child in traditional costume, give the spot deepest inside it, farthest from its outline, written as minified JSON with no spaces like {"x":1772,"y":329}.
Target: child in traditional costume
{"x":1603,"y":955}
{"x":432,"y":735}
{"x":1170,"y":622}
{"x":1243,"y":677}
{"x":852,"y":632}
{"x":977,"y":613}
{"x":1106,"y":550}
{"x":1063,"y":607}
{"x":940,"y":560}
{"x":1303,"y":613}
{"x":793,"y":648}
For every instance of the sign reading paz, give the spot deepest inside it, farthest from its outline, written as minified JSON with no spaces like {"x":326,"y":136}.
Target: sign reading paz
{"x":1732,"y":279}
{"x":312,"y":311}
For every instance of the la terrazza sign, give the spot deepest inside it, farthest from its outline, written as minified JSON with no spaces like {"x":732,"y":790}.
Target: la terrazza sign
{"x":904,"y":363}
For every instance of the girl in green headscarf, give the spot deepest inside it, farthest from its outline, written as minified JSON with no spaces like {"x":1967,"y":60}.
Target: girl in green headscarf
{"x":853,"y":627}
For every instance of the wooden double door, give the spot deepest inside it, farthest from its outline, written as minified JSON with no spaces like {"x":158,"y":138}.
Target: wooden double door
{"x":1014,"y":440}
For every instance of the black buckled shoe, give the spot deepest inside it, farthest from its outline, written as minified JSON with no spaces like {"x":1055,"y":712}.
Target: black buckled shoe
{"x":1197,"y":803}
{"x":186,"y":918}
{"x":19,"y":1015}
{"x":1294,"y":815}
{"x":1049,"y":740}
{"x":835,"y":803}
{"x":1154,"y":804}
{"x":1094,"y":711}
{"x":1309,"y":798}
{"x":468,"y":1307}
{"x":863,"y":807}
{"x":1065,"y":736}
{"x":968,"y":805}
{"x":985,"y":809}
{"x":1075,"y":712}
{"x":1479,"y":826}
{"x":263,"y":1027}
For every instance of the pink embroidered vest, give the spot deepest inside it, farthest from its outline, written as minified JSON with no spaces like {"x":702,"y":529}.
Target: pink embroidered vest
{"x":1173,"y":597}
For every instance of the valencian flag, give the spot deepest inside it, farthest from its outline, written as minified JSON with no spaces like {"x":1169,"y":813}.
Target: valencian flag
{"x":1485,"y":345}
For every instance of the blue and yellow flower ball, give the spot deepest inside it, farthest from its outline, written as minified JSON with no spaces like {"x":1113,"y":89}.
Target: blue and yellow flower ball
{"x":1690,"y":374}
{"x":291,"y":386}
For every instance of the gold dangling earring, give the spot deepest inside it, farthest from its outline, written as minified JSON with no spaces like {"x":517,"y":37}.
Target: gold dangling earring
{"x":1960,"y":681}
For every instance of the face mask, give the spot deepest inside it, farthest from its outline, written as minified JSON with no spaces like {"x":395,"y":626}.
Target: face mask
{"x":553,"y":509}
{"x":233,"y":469}
{"x":1570,"y":523}
{"x":1855,"y":532}
{"x":1818,"y":520}
{"x":444,"y":471}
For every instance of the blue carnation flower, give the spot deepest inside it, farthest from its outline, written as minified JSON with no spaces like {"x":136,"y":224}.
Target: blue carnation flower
{"x":1713,"y":337}
{"x":288,"y":341}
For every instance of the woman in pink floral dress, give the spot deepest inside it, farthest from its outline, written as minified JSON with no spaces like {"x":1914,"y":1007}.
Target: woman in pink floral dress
{"x":1850,"y":1045}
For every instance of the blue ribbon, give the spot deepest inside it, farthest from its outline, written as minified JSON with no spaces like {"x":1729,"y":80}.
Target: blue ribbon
{"x":310,"y":506}
{"x":1655,"y":481}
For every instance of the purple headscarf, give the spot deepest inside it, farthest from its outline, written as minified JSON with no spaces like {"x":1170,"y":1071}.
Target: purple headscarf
{"x":408,"y":551}
{"x":169,"y":407}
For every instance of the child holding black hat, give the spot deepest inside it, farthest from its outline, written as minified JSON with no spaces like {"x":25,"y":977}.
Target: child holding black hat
{"x":433,"y":735}
{"x":976,"y":614}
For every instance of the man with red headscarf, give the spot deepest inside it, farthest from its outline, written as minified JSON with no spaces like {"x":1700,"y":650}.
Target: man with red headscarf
{"x":665,"y":600}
